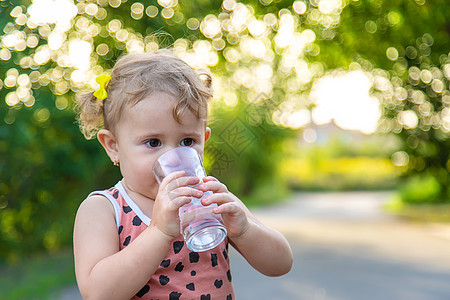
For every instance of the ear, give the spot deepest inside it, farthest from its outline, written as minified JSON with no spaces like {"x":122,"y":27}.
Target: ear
{"x":207,"y":133}
{"x":109,"y":143}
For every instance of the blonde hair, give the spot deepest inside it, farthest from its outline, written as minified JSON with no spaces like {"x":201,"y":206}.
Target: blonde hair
{"x":136,"y":76}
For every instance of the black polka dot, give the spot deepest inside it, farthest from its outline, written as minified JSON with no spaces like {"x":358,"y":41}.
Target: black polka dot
{"x":143,"y":291}
{"x":218,"y":283}
{"x":120,"y":229}
{"x":165,"y":263}
{"x":229,"y":297}
{"x":193,"y":273}
{"x":193,"y":257}
{"x":177,"y":246}
{"x":116,"y":194}
{"x":127,"y":240}
{"x":126,"y":209}
{"x":136,"y":221}
{"x":229,"y":275}
{"x":225,"y":253}
{"x":190,"y":286}
{"x":163,"y":280}
{"x":174,"y":296}
{"x":214,"y":259}
{"x":205,"y":297}
{"x":179,"y":267}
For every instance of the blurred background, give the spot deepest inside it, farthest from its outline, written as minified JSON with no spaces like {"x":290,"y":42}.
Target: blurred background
{"x":313,"y":99}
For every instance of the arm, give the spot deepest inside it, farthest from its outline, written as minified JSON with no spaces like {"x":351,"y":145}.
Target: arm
{"x":99,"y":265}
{"x":265,"y":249}
{"x":104,"y":272}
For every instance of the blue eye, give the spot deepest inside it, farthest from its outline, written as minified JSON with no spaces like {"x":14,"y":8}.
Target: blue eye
{"x":187,"y":142}
{"x":153,"y":143}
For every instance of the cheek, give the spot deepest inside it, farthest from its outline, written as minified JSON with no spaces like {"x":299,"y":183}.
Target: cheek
{"x":200,"y":148}
{"x":200,"y":152}
{"x":140,"y":163}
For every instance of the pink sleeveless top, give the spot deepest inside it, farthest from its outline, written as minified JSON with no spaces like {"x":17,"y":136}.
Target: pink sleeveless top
{"x":182,"y":274}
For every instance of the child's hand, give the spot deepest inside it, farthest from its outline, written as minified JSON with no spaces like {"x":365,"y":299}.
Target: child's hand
{"x":231,"y":208}
{"x":173,"y":193}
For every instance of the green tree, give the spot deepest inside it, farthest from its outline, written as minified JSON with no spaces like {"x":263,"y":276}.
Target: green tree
{"x":405,"y":46}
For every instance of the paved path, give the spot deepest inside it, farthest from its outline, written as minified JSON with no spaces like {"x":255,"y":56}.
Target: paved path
{"x":346,"y":248}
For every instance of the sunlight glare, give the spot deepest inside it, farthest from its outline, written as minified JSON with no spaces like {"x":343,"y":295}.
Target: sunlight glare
{"x":344,"y":98}
{"x":80,"y":54}
{"x":58,"y":12}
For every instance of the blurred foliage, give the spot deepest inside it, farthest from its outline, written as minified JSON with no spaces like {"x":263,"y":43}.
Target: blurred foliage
{"x":405,"y":45}
{"x":419,"y":212}
{"x":349,"y":161}
{"x":344,"y":173}
{"x":245,"y":155}
{"x":264,"y":56}
{"x":47,"y":168}
{"x":35,"y":277}
{"x":421,"y":189}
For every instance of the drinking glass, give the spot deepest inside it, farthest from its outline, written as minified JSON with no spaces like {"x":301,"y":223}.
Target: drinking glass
{"x":201,"y":228}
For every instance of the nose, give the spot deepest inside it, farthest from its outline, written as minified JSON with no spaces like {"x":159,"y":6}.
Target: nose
{"x":171,"y":158}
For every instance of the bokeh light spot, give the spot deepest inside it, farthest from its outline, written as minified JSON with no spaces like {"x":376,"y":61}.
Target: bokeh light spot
{"x":168,"y":3}
{"x":408,"y":118}
{"x":392,"y":53}
{"x":193,"y":23}
{"x":229,"y":4}
{"x":114,"y":25}
{"x":299,"y":7}
{"x":167,"y":13}
{"x":17,"y":11}
{"x":91,"y":9}
{"x":400,"y":159}
{"x":61,"y":103}
{"x":393,"y":18}
{"x":11,"y":99}
{"x":426,"y":76}
{"x":137,"y":10}
{"x":115,"y":3}
{"x":5,"y":54}
{"x":102,"y":49}
{"x":151,"y":11}
{"x":371,"y":26}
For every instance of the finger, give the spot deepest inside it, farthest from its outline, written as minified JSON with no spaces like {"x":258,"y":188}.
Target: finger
{"x":180,"y":201}
{"x":218,"y":198}
{"x":185,"y":192}
{"x":183,"y":181}
{"x":209,"y":178}
{"x":227,"y":208}
{"x":213,"y":186}
{"x":171,"y":177}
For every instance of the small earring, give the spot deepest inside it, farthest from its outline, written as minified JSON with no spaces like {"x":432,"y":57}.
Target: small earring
{"x":116,"y":162}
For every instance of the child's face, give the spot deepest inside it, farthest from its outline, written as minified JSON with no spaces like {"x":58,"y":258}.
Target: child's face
{"x":148,"y":130}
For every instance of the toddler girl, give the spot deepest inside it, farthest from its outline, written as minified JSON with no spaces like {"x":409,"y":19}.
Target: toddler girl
{"x":127,"y":241}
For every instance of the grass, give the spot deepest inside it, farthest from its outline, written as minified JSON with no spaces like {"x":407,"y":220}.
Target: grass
{"x":37,"y":277}
{"x":339,"y":173}
{"x":435,"y":213}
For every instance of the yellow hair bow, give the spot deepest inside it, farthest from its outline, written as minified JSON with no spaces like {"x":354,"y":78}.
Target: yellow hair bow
{"x":103,"y":79}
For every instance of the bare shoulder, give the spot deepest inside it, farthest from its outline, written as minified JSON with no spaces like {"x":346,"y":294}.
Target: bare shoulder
{"x":96,"y":203}
{"x":95,"y":221}
{"x":95,"y":211}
